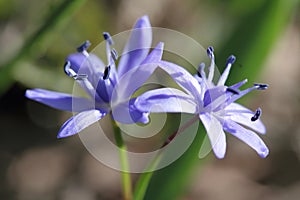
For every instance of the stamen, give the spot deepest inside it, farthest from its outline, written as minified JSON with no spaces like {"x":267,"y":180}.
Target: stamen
{"x":106,"y":72}
{"x":210,"y":52}
{"x":261,"y":86}
{"x":230,"y":60}
{"x":68,"y":70}
{"x":224,"y":76}
{"x":114,"y":54}
{"x":232,"y":90}
{"x":84,"y":46}
{"x":108,"y":38}
{"x":256,"y":115}
{"x":200,"y":71}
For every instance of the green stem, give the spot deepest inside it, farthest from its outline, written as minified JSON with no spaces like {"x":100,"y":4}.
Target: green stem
{"x":144,"y":180}
{"x":126,"y":178}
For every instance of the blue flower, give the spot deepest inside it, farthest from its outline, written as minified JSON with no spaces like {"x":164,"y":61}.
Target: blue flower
{"x":213,"y":103}
{"x":99,"y":80}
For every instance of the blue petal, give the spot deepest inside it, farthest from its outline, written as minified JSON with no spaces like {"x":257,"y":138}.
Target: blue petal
{"x":247,"y":136}
{"x":59,"y":100}
{"x":105,"y":89}
{"x":215,"y":133}
{"x":213,"y":93}
{"x":137,"y":46}
{"x":166,"y":100}
{"x":242,"y":115}
{"x":135,"y":78}
{"x":182,"y":78}
{"x":91,"y":66}
{"x":239,"y":84}
{"x":126,"y":113}
{"x":155,"y":55}
{"x":80,"y":121}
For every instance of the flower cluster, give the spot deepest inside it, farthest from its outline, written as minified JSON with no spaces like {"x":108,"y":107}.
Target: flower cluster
{"x":213,"y":103}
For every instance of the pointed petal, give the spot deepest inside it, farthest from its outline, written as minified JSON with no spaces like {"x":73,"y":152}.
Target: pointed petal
{"x":212,"y":94}
{"x":247,"y":136}
{"x":239,"y":84}
{"x":59,"y":100}
{"x":215,"y":133}
{"x":166,"y":100}
{"x":242,"y":115}
{"x":182,"y":78}
{"x":156,"y":54}
{"x":135,"y":78}
{"x":137,"y":46}
{"x":80,"y":121}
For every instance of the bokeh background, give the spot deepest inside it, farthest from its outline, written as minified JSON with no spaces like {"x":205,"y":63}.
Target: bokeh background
{"x":35,"y":38}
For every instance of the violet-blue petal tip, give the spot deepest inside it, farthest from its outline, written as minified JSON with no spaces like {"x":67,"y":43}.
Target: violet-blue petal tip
{"x":143,"y":22}
{"x":264,"y":152}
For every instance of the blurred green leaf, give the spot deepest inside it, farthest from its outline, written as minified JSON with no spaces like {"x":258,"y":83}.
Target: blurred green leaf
{"x":60,"y":13}
{"x":32,"y":75}
{"x":171,"y":181}
{"x":251,"y":42}
{"x":254,"y":37}
{"x":6,"y":9}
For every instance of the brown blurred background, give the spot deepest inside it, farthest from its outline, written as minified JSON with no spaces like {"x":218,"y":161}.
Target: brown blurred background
{"x":35,"y":165}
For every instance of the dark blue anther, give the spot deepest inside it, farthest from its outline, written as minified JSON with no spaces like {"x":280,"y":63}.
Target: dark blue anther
{"x":106,"y":72}
{"x":67,"y":66}
{"x":200,"y":68}
{"x":232,"y":90}
{"x":261,"y":86}
{"x":114,"y":54}
{"x":256,"y":115}
{"x":108,"y":38}
{"x":210,"y":52}
{"x":84,"y":46}
{"x":230,"y":60}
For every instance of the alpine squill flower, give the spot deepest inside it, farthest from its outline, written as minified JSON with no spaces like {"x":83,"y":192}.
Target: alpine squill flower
{"x":98,"y":80}
{"x":214,"y":104}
